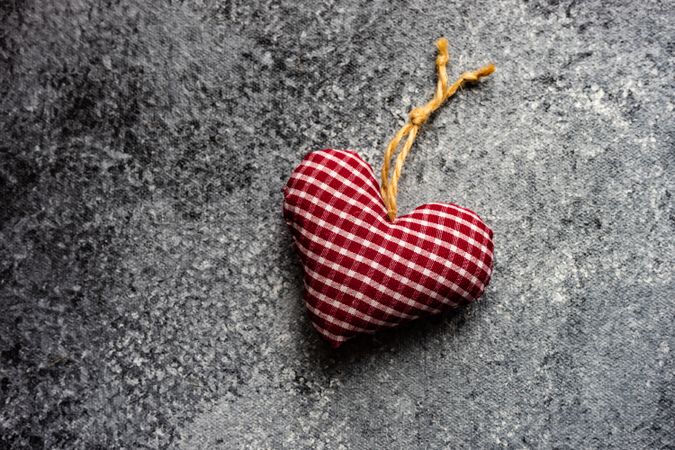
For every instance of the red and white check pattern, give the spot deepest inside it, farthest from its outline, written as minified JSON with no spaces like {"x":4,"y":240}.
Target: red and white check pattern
{"x":364,"y":273}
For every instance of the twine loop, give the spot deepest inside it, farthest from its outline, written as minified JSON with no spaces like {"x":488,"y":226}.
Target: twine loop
{"x":416,"y":118}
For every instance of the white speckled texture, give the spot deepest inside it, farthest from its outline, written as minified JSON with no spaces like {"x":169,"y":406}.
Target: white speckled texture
{"x":149,"y":290}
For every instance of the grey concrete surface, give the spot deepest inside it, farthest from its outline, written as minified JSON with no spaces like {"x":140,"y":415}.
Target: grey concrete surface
{"x":150,"y":294}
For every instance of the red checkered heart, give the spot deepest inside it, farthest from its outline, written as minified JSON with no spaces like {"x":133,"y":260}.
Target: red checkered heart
{"x":364,"y":273}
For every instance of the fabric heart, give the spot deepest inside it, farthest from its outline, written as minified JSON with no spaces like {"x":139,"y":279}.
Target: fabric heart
{"x":363,"y":272}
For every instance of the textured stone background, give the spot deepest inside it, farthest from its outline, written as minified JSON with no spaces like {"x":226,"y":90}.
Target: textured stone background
{"x":150,"y":295}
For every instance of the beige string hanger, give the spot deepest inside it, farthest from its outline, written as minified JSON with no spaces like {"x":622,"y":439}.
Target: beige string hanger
{"x":417,"y":117}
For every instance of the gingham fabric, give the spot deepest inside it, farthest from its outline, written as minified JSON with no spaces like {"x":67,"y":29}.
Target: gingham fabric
{"x":363,"y":273}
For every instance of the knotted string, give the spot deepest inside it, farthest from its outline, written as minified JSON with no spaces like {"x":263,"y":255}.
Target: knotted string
{"x":417,"y":117}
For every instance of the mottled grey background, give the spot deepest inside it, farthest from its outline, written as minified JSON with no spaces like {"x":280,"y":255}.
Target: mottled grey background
{"x":150,"y":295}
